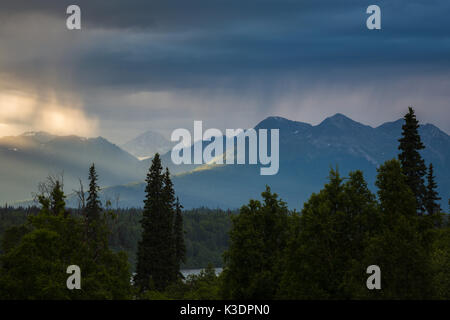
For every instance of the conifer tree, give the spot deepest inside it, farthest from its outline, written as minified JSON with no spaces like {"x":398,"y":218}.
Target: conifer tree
{"x":398,"y":249}
{"x":169,"y":219}
{"x":57,"y":202}
{"x":53,"y":202}
{"x":180,"y":247}
{"x":413,"y":165}
{"x":431,"y":196}
{"x":93,"y":206}
{"x":360,"y":218}
{"x":155,"y":257}
{"x":168,"y":194}
{"x":323,"y":259}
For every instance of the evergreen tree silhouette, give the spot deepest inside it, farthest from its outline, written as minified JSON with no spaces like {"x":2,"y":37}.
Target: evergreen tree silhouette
{"x":156,"y":250}
{"x":180,"y":247}
{"x":413,"y":165}
{"x":431,"y":195}
{"x":93,"y":206}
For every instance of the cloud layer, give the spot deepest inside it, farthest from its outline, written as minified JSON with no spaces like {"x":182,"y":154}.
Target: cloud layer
{"x":159,"y":65}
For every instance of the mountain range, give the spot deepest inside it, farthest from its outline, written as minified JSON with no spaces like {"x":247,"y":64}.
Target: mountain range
{"x":306,"y":154}
{"x":28,"y":159}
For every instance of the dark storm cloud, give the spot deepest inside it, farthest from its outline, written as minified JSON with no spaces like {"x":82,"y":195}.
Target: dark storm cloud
{"x":174,"y":14}
{"x":275,"y":56}
{"x":159,"y":44}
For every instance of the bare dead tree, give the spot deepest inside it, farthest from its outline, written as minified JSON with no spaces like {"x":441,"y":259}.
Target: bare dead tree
{"x":81,"y":196}
{"x":46,"y":187}
{"x":117,"y":199}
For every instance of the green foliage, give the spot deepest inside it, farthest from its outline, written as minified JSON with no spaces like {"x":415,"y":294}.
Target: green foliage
{"x":431,"y":196}
{"x":205,"y":232}
{"x":180,"y":247}
{"x":37,"y":254}
{"x":399,"y":248}
{"x":54,"y":204}
{"x":258,"y":238}
{"x":206,"y":236}
{"x":35,"y":269}
{"x":440,"y":262}
{"x":335,"y":224}
{"x":12,"y":236}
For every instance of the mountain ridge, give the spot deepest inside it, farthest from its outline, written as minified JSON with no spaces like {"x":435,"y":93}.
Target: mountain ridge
{"x":306,"y":154}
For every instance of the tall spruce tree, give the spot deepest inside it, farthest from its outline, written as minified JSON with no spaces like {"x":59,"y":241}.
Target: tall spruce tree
{"x":155,"y":256}
{"x":431,"y":195}
{"x":413,"y":165}
{"x":168,"y":194}
{"x":169,"y":211}
{"x":180,"y":247}
{"x":93,"y":207}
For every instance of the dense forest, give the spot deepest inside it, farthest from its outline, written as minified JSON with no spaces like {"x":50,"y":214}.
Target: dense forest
{"x":269,"y":251}
{"x":206,"y":232}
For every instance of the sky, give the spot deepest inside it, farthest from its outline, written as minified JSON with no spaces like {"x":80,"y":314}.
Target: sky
{"x":160,"y":65}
